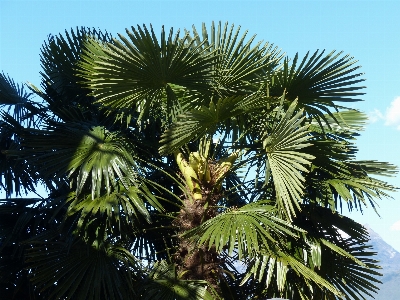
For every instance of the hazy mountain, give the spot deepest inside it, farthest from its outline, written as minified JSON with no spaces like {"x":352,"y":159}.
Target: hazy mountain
{"x":390,"y":262}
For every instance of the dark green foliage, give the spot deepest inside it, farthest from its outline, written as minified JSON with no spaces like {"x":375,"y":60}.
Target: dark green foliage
{"x":267,"y":142}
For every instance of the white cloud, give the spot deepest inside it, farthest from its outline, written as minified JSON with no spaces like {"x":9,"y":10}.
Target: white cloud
{"x":395,"y":226}
{"x":375,"y":115}
{"x":392,"y":116}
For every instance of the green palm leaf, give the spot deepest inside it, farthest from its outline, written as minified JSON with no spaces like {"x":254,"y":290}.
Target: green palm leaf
{"x":198,"y":122}
{"x":164,"y":282}
{"x":66,"y":98}
{"x":336,"y":177}
{"x":102,"y":153}
{"x":323,"y":264}
{"x":16,"y":174}
{"x":285,"y":162}
{"x":84,"y":151}
{"x":14,"y":99}
{"x":275,"y":274}
{"x":134,"y":72}
{"x":112,"y":214}
{"x":359,"y":190}
{"x":249,"y":230}
{"x":343,"y":243}
{"x":240,"y":65}
{"x":319,"y":82}
{"x":82,"y":271}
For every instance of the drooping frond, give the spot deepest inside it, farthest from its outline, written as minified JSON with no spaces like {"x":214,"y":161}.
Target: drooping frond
{"x":249,"y":230}
{"x":115,"y":214}
{"x":329,"y":262}
{"x":83,"y":152}
{"x":336,"y":175}
{"x":16,"y":100}
{"x":164,"y":282}
{"x":340,"y":252}
{"x":17,"y":176}
{"x":81,"y":271}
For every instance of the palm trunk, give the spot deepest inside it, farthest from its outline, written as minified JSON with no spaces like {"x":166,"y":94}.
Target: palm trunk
{"x":202,"y":178}
{"x":203,"y":183}
{"x":197,"y":263}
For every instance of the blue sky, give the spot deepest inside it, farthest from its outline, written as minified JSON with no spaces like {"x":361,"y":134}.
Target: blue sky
{"x":367,"y":30}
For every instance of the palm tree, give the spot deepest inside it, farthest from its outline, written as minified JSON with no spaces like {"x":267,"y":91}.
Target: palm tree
{"x":184,"y":166}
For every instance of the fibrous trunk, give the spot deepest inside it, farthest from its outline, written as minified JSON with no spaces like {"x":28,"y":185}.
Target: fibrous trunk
{"x":203,"y":183}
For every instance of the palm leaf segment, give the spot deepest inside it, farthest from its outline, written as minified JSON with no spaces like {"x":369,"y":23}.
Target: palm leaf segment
{"x":308,"y":272}
{"x":240,"y":65}
{"x":245,"y":230}
{"x":137,"y":72}
{"x":65,"y":97}
{"x":16,"y":100}
{"x":82,"y":271}
{"x":336,"y":176}
{"x":163,"y":282}
{"x":285,"y":163}
{"x":114,"y":215}
{"x":254,"y":233}
{"x":319,"y":82}
{"x":100,"y":165}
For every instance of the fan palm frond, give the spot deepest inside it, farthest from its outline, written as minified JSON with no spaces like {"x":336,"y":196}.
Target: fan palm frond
{"x":135,"y":71}
{"x":240,"y":65}
{"x":336,"y":176}
{"x":249,"y":230}
{"x":338,"y":255}
{"x":344,"y":242}
{"x":163,"y":282}
{"x":16,"y":174}
{"x":115,"y":214}
{"x":66,"y":98}
{"x":198,"y":122}
{"x":84,"y":151}
{"x":82,"y":271}
{"x":285,"y":162}
{"x":319,"y":82}
{"x":16,"y":100}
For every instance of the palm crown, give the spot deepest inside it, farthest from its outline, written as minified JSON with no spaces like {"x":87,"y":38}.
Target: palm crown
{"x":196,"y":165}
